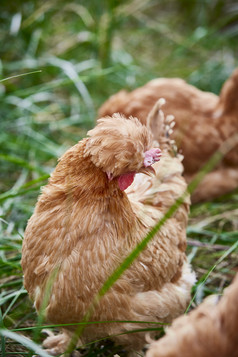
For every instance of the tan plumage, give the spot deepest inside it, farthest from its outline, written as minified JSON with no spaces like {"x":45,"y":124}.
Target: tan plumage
{"x":210,"y":330}
{"x":203,"y":122}
{"x":84,"y":225}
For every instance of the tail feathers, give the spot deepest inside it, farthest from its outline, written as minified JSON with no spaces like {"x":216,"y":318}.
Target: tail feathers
{"x":161,"y":126}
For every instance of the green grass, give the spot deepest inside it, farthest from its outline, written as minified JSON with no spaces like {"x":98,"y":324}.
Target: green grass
{"x":60,"y":61}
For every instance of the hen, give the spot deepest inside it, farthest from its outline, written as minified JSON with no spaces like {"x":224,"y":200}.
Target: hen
{"x":85,"y":224}
{"x":203,"y":122}
{"x":208,"y":331}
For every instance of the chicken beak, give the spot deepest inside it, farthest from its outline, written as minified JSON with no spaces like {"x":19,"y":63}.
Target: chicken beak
{"x":149,"y":171}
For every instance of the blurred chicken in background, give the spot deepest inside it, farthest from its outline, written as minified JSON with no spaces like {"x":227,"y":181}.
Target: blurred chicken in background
{"x":203,"y":121}
{"x":210,"y":330}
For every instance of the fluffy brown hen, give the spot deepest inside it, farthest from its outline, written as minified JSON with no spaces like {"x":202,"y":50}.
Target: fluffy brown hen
{"x":208,"y":331}
{"x":203,"y":122}
{"x":85,"y":224}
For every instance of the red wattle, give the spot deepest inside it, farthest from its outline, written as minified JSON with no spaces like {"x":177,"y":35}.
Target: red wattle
{"x":125,"y":180}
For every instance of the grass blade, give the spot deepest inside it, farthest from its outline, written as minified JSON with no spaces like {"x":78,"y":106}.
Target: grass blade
{"x":202,"y":281}
{"x":24,"y":341}
{"x":19,"y":75}
{"x":20,"y":162}
{"x":2,"y":337}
